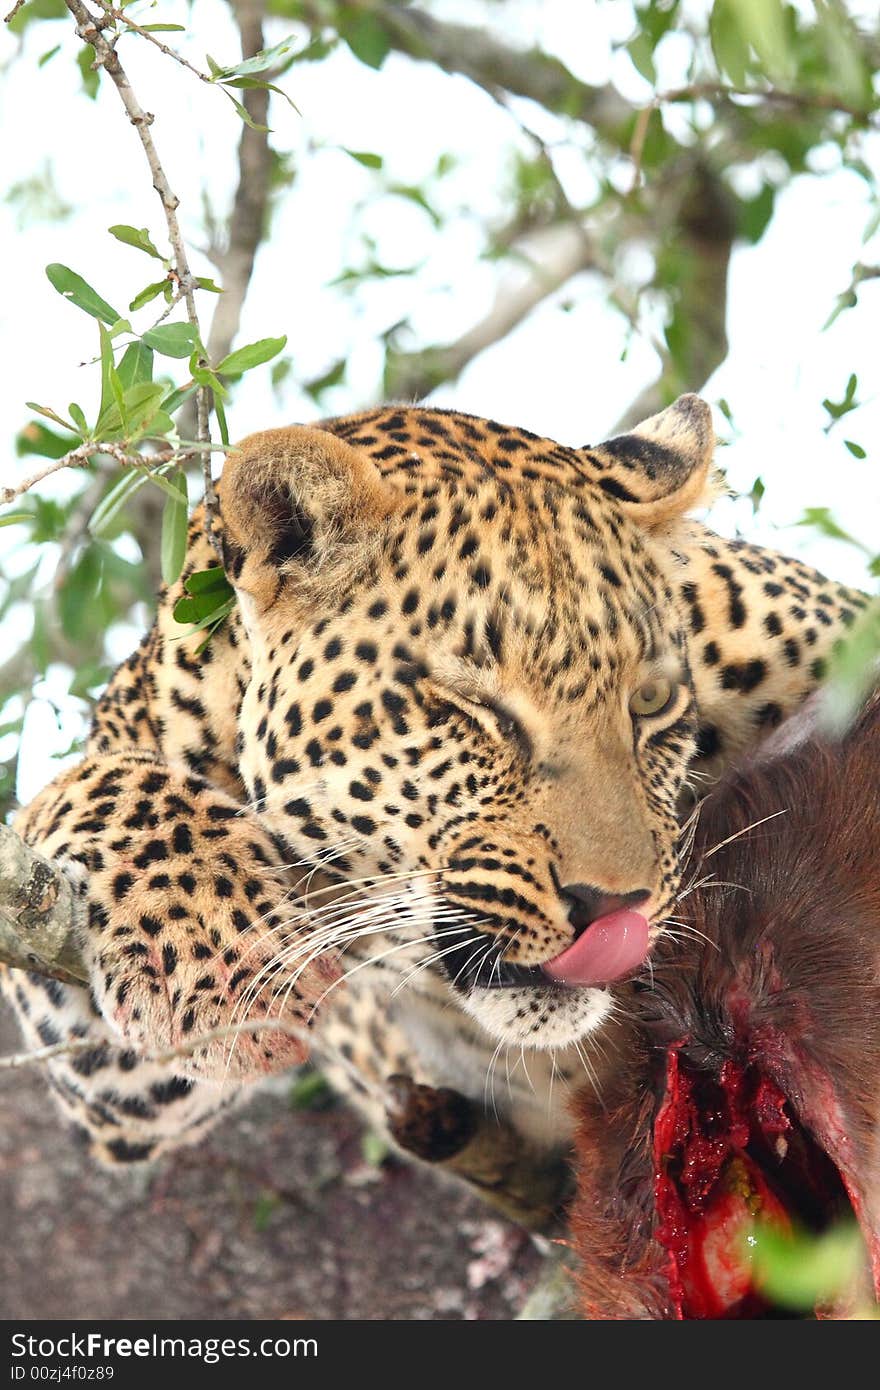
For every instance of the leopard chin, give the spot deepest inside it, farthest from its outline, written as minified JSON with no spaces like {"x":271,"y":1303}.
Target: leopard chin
{"x":539,"y":1017}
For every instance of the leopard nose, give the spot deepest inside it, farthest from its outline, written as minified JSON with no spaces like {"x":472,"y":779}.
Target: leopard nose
{"x":587,"y":903}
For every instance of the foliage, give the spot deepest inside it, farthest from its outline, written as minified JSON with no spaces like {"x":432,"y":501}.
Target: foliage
{"x":734,"y":100}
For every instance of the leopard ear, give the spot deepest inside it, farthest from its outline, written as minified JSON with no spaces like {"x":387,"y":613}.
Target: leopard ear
{"x":662,"y":468}
{"x":296,"y":500}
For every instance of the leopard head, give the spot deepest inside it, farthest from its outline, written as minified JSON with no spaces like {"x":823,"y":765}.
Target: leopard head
{"x":470,"y":701}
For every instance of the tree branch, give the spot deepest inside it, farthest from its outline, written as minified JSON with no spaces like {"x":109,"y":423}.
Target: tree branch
{"x":247,"y":222}
{"x":695,"y":211}
{"x":90,"y":29}
{"x":38,"y":913}
{"x":557,"y":254}
{"x":495,"y":66}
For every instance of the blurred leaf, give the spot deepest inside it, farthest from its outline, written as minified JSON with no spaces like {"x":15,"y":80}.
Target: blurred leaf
{"x":78,"y":593}
{"x":137,"y":237}
{"x":163,"y":28}
{"x":37,"y":9}
{"x":852,"y":672}
{"x":855,"y":449}
{"x":112,"y":502}
{"x":641,"y":52}
{"x":332,"y":377}
{"x":172,"y":339}
{"x":729,"y":47}
{"x":254,"y":355}
{"x":175,"y":516}
{"x":753,"y":214}
{"x":800,"y":1271}
{"x":35,"y":438}
{"x":366,"y":38}
{"x":204,"y":282}
{"x":763,"y":24}
{"x":837,"y":409}
{"x":265,"y":1207}
{"x":90,"y":79}
{"x":310,"y":1091}
{"x":14,"y":518}
{"x":75,"y":288}
{"x":823,"y":521}
{"x":365,"y":157}
{"x":375,"y":1148}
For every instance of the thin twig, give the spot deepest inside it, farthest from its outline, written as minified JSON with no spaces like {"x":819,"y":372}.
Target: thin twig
{"x":720,"y":91}
{"x":79,"y":457}
{"x":122,"y":18}
{"x":90,"y":30}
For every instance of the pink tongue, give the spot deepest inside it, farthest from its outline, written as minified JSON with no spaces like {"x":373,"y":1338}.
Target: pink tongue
{"x":610,"y":947}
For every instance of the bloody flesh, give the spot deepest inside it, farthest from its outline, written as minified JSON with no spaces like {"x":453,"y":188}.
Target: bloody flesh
{"x":708,"y":1187}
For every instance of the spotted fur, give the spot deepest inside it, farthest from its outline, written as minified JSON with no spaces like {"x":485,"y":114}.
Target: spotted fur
{"x":411,"y":745}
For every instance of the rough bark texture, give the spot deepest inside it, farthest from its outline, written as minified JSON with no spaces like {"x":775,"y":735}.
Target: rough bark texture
{"x":275,"y":1216}
{"x":38,"y":914}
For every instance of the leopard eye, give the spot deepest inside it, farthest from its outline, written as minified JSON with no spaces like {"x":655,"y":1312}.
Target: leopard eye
{"x":652,"y":698}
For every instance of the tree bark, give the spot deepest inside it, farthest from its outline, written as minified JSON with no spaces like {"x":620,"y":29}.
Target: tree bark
{"x":39,"y":914}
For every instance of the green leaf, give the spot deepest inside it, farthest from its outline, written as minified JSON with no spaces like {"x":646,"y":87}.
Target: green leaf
{"x":149,"y":292}
{"x":310,"y":1091}
{"x":79,"y":419}
{"x":754,"y":214}
{"x":130,"y":415}
{"x":375,"y":1148}
{"x":855,"y":449}
{"x":35,"y":438}
{"x":367,"y":39}
{"x":175,"y":399}
{"x":365,"y":157}
{"x":75,"y":288}
{"x":220,"y":412}
{"x":260,"y":84}
{"x":823,"y":521}
{"x":333,"y":376}
{"x":78,"y":594}
{"x":90,"y":79}
{"x":209,"y":581}
{"x":135,"y":365}
{"x":107,"y":366}
{"x":244,"y":113}
{"x":163,"y":28}
{"x":254,"y":355}
{"x":137,"y":237}
{"x":15,"y":518}
{"x":174,"y":523}
{"x":763,"y":24}
{"x":800,"y":1270}
{"x":114,"y":500}
{"x":47,"y":56}
{"x":205,"y":283}
{"x":266,"y":58}
{"x":729,"y":47}
{"x":172,"y":339}
{"x":50,"y":415}
{"x":641,"y":52}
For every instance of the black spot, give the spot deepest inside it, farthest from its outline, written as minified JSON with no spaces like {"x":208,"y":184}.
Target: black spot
{"x":708,"y":741}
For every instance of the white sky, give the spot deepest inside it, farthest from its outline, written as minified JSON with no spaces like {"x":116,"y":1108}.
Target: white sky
{"x":560,"y":373}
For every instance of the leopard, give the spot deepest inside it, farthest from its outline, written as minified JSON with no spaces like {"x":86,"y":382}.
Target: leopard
{"x":472,"y":683}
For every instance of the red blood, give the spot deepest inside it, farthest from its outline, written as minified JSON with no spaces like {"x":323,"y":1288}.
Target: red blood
{"x":708,"y":1190}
